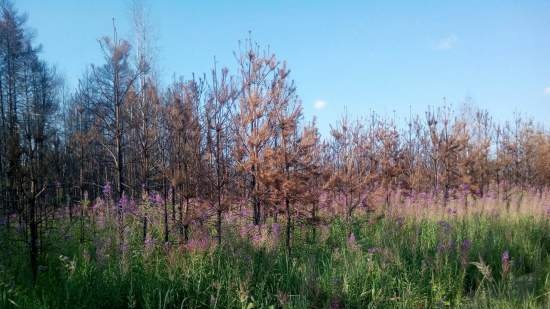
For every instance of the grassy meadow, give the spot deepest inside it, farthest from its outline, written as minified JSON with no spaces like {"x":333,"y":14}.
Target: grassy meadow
{"x":478,"y":259}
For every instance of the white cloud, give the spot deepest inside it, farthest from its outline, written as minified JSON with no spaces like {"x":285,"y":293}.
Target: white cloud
{"x":547,"y":90}
{"x":319,"y":104}
{"x":447,"y":42}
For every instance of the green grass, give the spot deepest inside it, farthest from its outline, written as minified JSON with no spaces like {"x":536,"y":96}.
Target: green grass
{"x":414,"y":265}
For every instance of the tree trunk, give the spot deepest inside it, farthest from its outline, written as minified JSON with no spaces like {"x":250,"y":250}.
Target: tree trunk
{"x":166,"y":211}
{"x":33,"y":225}
{"x":288,"y":224}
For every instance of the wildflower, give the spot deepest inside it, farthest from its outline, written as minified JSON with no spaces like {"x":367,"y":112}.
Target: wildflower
{"x":445,"y":246}
{"x":465,"y":251}
{"x":400,"y":221}
{"x":243,"y":231}
{"x":98,"y":204}
{"x":126,"y":204}
{"x":149,"y":242}
{"x":445,"y":226}
{"x":451,"y":211}
{"x":505,"y":262}
{"x":158,"y":199}
{"x":282,"y":299}
{"x":352,"y":243}
{"x":201,"y":244}
{"x":107,"y":190}
{"x":275,"y":231}
{"x":123,"y":203}
{"x":466,"y":245}
{"x":429,"y":201}
{"x":374,"y":250}
{"x":477,"y":192}
{"x":257,"y":238}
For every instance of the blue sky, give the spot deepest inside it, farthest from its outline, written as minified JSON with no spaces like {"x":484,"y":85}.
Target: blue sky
{"x":384,"y":56}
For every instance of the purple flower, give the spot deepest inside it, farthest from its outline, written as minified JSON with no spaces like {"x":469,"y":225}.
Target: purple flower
{"x":352,"y":242}
{"x":243,"y":231}
{"x":400,"y":221}
{"x":445,"y":226}
{"x":444,"y":246}
{"x":466,"y":245}
{"x":156,"y":199}
{"x":107,"y":190}
{"x":256,"y":238}
{"x":149,"y":242}
{"x":477,"y":192}
{"x":98,"y":204}
{"x":505,"y":261}
{"x":276,"y":231}
{"x":125,"y":204}
{"x":465,"y":251}
{"x":201,"y":244}
{"x":374,"y":250}
{"x":505,"y":257}
{"x":451,"y":211}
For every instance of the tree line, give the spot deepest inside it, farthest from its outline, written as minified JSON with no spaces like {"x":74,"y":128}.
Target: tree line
{"x":224,"y":141}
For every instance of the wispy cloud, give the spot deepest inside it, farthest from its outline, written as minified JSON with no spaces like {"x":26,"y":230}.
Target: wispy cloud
{"x":319,"y":104}
{"x":546,"y":90}
{"x":446,"y":43}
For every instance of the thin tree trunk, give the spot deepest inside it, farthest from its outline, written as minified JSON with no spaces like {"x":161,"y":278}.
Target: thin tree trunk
{"x":166,"y":230}
{"x":288,"y":224}
{"x":34,"y":233}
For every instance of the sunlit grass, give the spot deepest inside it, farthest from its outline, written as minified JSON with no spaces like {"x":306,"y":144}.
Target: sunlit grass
{"x":391,"y":263}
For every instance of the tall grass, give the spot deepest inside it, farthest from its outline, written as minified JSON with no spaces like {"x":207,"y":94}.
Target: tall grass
{"x":393,"y":263}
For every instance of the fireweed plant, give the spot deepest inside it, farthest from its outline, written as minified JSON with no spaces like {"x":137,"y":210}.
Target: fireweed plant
{"x":213,"y":191}
{"x":480,"y":258}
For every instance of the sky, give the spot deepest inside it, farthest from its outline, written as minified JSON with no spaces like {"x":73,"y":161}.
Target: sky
{"x":391,"y":57}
